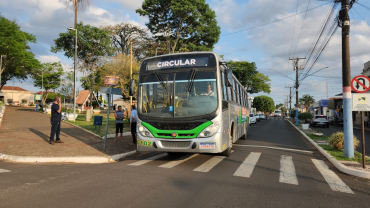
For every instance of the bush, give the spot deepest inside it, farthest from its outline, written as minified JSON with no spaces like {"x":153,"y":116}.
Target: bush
{"x":64,"y":109}
{"x":24,"y":101}
{"x":337,"y":140}
{"x":32,"y":104}
{"x":305,"y":116}
{"x":95,"y":104}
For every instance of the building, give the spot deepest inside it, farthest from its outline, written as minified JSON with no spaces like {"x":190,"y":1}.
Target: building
{"x":83,"y":100}
{"x":14,"y":94}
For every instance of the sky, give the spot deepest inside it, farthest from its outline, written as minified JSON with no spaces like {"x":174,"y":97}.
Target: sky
{"x":245,"y":36}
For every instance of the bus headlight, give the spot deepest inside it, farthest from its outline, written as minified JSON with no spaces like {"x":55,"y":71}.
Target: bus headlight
{"x":144,"y":131}
{"x":210,"y":130}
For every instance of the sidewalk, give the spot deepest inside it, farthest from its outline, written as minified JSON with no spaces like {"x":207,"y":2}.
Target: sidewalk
{"x":25,"y":132}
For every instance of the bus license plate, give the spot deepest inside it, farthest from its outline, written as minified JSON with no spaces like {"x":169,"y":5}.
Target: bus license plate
{"x":207,"y":145}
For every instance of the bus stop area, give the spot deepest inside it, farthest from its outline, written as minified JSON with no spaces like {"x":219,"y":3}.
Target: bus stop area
{"x":25,"y":133}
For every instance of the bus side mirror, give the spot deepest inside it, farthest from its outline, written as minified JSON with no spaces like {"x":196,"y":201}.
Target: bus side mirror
{"x":131,"y":91}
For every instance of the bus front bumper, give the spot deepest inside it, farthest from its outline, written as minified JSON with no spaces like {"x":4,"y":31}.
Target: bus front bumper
{"x":195,"y":145}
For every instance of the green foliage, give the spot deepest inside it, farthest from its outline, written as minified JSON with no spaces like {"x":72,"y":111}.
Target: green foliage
{"x":24,"y":101}
{"x":18,"y":61}
{"x":339,"y":154}
{"x":283,"y":109}
{"x":279,"y":105}
{"x":95,"y":104}
{"x":183,"y":24}
{"x":263,"y":103}
{"x":49,"y":77}
{"x":307,"y":100}
{"x":337,"y":140}
{"x":247,"y":75}
{"x":32,"y":104}
{"x":305,"y":116}
{"x":315,"y":137}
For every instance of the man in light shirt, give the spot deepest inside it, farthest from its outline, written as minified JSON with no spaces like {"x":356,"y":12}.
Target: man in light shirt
{"x":209,"y":92}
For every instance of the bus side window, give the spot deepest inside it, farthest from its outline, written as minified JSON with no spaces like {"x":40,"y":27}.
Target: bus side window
{"x":236,"y":92}
{"x":224,"y":97}
{"x":230,"y":92}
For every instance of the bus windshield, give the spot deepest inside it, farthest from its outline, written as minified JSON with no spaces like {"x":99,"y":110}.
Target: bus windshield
{"x":177,"y":95}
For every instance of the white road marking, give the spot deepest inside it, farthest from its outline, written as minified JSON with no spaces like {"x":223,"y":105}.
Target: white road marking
{"x":177,"y":162}
{"x":141,"y":162}
{"x":278,"y":148}
{"x":287,"y":171}
{"x":335,"y":183}
{"x":207,"y":166}
{"x":4,"y":171}
{"x":247,"y":167}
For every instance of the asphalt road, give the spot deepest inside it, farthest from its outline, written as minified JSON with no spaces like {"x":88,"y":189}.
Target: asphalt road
{"x":280,"y":178}
{"x":356,"y":132}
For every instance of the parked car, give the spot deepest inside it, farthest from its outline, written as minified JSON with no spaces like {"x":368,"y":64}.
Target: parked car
{"x":257,"y":117}
{"x":262,"y":116}
{"x":252,"y":118}
{"x":339,"y":121}
{"x":320,"y":120}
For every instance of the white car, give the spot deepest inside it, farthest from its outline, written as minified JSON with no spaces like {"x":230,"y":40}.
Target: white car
{"x":262,"y":116}
{"x":277,"y":113}
{"x":258,"y":119}
{"x":252,"y":118}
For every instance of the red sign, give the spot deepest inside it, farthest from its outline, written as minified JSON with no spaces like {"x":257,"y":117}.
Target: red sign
{"x":360,"y":84}
{"x":111,"y":80}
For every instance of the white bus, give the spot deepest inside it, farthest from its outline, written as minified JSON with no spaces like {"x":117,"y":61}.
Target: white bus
{"x":189,"y":102}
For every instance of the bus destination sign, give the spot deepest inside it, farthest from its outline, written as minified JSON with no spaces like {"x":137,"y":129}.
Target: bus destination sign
{"x":177,"y":63}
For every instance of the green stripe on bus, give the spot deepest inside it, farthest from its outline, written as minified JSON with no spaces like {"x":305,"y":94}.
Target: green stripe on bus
{"x":196,"y":131}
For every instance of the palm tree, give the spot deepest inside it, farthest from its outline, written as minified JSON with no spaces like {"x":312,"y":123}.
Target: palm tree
{"x":77,"y":4}
{"x":307,"y":100}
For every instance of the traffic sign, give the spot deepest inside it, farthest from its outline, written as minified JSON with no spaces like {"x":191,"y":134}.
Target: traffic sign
{"x":337,"y":110}
{"x":361,"y":102}
{"x":303,"y":106}
{"x":360,"y":84}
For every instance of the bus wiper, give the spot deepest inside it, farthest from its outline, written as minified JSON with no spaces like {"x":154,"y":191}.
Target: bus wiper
{"x":160,"y":80}
{"x":191,"y":79}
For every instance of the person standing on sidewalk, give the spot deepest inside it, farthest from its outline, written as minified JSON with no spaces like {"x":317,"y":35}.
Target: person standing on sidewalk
{"x":55,"y":120}
{"x":37,"y":106}
{"x":119,"y":121}
{"x":133,"y":123}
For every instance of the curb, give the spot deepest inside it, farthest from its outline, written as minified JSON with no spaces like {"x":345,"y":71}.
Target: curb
{"x":114,"y":135}
{"x":338,"y":165}
{"x":82,"y":159}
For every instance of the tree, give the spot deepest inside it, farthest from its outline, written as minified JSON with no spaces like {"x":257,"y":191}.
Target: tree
{"x":77,"y":5}
{"x":67,"y":86}
{"x":121,"y":35}
{"x":279,"y":105}
{"x":248,"y":75}
{"x":121,"y":66}
{"x":283,"y":109}
{"x":48,"y":77}
{"x":307,"y":100}
{"x":263,"y":103}
{"x":18,"y":61}
{"x":183,"y":24}
{"x":93,"y":45}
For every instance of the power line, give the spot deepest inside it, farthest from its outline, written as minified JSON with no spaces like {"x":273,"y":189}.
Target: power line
{"x":295,"y":18}
{"x":300,"y":32}
{"x":363,"y":5}
{"x":360,"y":15}
{"x":275,"y":20}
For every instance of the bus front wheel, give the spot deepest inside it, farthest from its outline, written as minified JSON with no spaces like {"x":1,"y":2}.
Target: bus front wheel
{"x":227,"y":152}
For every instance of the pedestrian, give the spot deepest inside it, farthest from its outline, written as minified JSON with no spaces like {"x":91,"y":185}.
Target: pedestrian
{"x":37,"y":106}
{"x":55,"y":120}
{"x":119,"y":121}
{"x":133,"y":123}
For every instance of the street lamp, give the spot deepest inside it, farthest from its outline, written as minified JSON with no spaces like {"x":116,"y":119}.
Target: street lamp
{"x":74,"y":77}
{"x":1,"y":67}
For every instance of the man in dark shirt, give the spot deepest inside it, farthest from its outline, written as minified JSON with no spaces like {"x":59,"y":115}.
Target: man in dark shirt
{"x":56,"y":119}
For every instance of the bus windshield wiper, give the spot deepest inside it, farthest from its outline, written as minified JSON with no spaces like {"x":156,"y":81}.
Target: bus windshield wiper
{"x":191,"y":79}
{"x":160,"y":80}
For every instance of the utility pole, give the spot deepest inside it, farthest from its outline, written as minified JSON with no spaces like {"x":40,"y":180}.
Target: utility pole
{"x":290,"y":99}
{"x":346,"y":74}
{"x":131,"y":68}
{"x":296,"y":68}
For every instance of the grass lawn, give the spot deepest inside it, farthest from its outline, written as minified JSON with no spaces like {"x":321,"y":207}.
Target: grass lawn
{"x":339,"y":154}
{"x":80,"y":121}
{"x":314,"y":137}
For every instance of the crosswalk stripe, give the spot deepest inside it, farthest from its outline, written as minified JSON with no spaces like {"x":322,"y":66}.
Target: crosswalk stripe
{"x":177,"y":162}
{"x":207,"y":166}
{"x":4,"y":171}
{"x":141,"y":162}
{"x":247,"y":167}
{"x":335,"y":183}
{"x":287,"y":171}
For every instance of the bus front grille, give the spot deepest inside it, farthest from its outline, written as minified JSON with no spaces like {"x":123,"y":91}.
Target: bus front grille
{"x":175,"y":126}
{"x":180,"y":144}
